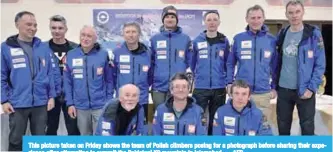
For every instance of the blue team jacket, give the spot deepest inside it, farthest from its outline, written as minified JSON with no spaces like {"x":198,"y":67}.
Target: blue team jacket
{"x":20,"y":86}
{"x":170,"y":54}
{"x":311,"y":58}
{"x":256,"y":58}
{"x":134,"y":68}
{"x":249,"y":122}
{"x":189,"y":123}
{"x":88,"y":78}
{"x":209,"y":62}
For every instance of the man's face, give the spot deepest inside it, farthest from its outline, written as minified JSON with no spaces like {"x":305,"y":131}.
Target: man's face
{"x":212,"y":22}
{"x":131,"y":35}
{"x":27,"y":26}
{"x":88,"y":37}
{"x":170,"y":21}
{"x":129,"y":98}
{"x":240,"y":97}
{"x":255,"y":19}
{"x":58,"y":29}
{"x":294,"y":14}
{"x":180,"y":89}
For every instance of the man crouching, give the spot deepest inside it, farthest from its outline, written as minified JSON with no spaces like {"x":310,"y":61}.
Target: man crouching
{"x":123,"y":116}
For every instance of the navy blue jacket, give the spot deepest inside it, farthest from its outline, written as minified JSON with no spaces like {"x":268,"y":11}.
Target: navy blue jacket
{"x":170,"y":54}
{"x":256,"y":58}
{"x":209,"y":62}
{"x":249,"y":122}
{"x":189,"y":123}
{"x":88,"y":78}
{"x":20,"y":86}
{"x":134,"y":68}
{"x":311,"y":58}
{"x":107,"y":123}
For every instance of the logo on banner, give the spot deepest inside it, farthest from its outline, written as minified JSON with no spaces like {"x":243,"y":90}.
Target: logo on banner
{"x":103,"y":17}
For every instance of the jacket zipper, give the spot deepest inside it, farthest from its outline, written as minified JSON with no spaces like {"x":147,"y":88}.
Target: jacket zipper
{"x":92,"y":72}
{"x":87,"y":83}
{"x":261,"y":55}
{"x":133,"y":70}
{"x":238,"y":120}
{"x":32,"y":77}
{"x":175,"y":56}
{"x":169,"y":56}
{"x":255,"y":52}
{"x":139,"y":69}
{"x":210,"y":66}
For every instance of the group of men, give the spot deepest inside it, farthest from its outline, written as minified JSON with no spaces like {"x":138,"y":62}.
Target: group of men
{"x":38,"y":79}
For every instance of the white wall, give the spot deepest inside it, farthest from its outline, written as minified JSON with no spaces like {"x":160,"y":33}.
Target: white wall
{"x":232,"y":16}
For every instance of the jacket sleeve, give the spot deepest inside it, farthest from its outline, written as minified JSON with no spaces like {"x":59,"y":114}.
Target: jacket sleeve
{"x":52,"y":89}
{"x":264,"y":127}
{"x":157,"y":123}
{"x":152,"y":59}
{"x":5,"y":70}
{"x":194,"y":56}
{"x":218,"y":126}
{"x":201,"y":128}
{"x":108,"y":74}
{"x":231,"y":62}
{"x":225,"y":58}
{"x":319,"y":61}
{"x":68,"y":83}
{"x":141,"y":129}
{"x":189,"y":52}
{"x":274,"y":65}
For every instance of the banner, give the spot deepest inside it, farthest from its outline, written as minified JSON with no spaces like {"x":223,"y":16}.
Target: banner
{"x":311,"y":3}
{"x":207,"y":2}
{"x":89,"y":1}
{"x":109,"y":23}
{"x":177,"y":143}
{"x":9,"y":1}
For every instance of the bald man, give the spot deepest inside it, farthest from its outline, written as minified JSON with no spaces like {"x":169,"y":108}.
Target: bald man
{"x":123,"y":116}
{"x":87,"y":81}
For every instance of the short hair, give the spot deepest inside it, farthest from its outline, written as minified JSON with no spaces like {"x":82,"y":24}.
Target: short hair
{"x":58,"y":18}
{"x":179,"y":76}
{"x":255,"y":8}
{"x":20,"y":14}
{"x":241,"y":84}
{"x":211,"y":12}
{"x":295,"y":2}
{"x":136,"y":25}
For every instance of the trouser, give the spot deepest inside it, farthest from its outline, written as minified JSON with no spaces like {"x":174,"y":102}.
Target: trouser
{"x":54,"y":115}
{"x":159,"y":97}
{"x":18,"y":121}
{"x":213,"y":98}
{"x":262,"y":101}
{"x":286,"y":101}
{"x":87,"y":120}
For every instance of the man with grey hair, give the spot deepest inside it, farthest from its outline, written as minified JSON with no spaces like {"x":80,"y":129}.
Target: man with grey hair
{"x":301,"y":65}
{"x":87,"y":81}
{"x":123,"y":116}
{"x":58,"y":46}
{"x":132,"y":63}
{"x":27,"y":85}
{"x":254,"y":52}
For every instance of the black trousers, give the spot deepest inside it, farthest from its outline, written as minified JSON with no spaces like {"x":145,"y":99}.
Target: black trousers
{"x":213,"y":98}
{"x":286,"y":101}
{"x":18,"y":122}
{"x":54,"y":115}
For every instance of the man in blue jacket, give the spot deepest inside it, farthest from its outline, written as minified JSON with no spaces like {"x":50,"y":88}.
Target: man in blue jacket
{"x":170,"y":54}
{"x":179,"y":115}
{"x":123,"y":116}
{"x":240,"y":116}
{"x":27,"y":85}
{"x":210,"y":54}
{"x":301,"y":66}
{"x":254,"y":51}
{"x":87,"y":80}
{"x":58,"y":46}
{"x":132,"y":63}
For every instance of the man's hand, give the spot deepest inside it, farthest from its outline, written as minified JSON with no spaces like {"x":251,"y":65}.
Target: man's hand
{"x":72,"y":112}
{"x":229,"y":89}
{"x":273,"y":94}
{"x":50,"y":104}
{"x":307,"y":94}
{"x":7,"y":108}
